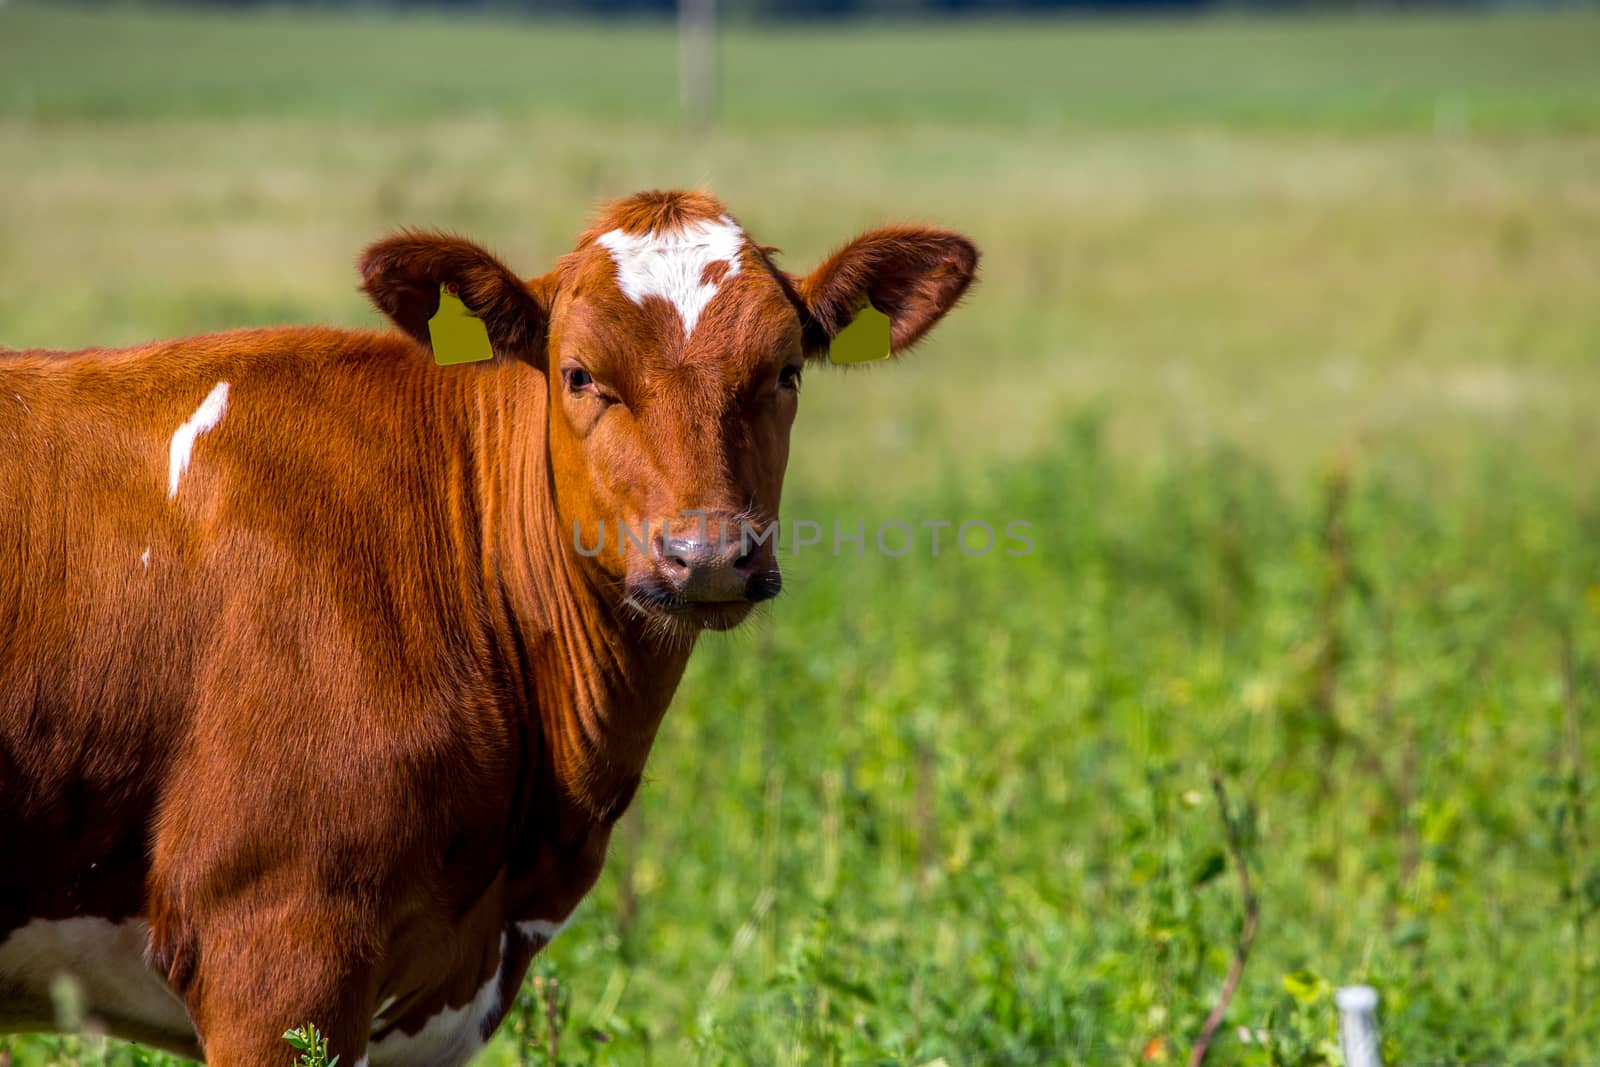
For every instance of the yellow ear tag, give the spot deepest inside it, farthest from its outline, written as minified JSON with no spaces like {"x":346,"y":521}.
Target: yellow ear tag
{"x":458,"y":336}
{"x":865,"y":340}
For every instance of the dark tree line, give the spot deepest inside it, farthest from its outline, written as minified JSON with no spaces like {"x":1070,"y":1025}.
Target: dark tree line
{"x":766,"y":10}
{"x":739,"y":10}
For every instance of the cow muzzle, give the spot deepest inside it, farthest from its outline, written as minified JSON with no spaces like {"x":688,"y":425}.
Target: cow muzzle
{"x":711,"y":574}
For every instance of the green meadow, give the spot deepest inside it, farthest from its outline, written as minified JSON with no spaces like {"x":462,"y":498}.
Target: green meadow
{"x":1287,"y":347}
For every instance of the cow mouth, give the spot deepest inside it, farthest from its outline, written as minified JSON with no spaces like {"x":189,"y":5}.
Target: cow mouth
{"x":664,"y":606}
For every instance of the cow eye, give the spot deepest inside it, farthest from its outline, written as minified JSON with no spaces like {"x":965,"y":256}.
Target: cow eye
{"x":578,"y":380}
{"x":789,"y":377}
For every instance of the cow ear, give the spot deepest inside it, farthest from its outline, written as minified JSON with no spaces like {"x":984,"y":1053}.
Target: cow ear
{"x":402,"y":275}
{"x":913,"y":274}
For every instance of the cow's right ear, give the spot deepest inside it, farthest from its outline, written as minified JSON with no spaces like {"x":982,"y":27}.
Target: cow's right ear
{"x":402,"y":275}
{"x":913,"y":274}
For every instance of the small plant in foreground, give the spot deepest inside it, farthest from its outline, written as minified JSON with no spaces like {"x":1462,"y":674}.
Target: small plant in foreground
{"x":311,"y":1045}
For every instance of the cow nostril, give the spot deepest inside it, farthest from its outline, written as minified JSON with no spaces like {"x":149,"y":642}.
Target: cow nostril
{"x":674,"y":559}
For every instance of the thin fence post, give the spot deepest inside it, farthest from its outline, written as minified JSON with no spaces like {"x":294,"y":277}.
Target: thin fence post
{"x":697,"y":61}
{"x":1358,"y":1025}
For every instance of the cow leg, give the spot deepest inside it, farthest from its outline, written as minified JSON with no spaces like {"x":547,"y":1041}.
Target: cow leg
{"x":269,"y":970}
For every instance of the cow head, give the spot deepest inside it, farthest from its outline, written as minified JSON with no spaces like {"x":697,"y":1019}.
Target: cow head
{"x":673,"y":351}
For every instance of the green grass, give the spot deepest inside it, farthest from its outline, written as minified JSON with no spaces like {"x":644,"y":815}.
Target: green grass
{"x":1286,"y":345}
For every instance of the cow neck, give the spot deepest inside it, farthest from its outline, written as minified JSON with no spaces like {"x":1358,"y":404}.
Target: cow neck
{"x":593,"y":681}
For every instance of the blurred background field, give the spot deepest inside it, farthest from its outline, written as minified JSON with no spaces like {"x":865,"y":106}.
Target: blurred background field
{"x":1287,"y":344}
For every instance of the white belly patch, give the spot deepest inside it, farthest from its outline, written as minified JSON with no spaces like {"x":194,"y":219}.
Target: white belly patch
{"x":450,"y":1038}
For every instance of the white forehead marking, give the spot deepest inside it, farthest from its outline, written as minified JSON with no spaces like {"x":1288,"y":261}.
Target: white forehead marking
{"x":205,"y":418}
{"x":670,"y":264}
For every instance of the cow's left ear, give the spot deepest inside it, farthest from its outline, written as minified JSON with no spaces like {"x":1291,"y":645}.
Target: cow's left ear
{"x":402,"y":275}
{"x":913,"y":274}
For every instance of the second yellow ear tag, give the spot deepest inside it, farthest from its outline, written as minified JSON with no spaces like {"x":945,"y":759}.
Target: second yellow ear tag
{"x":457,"y":335}
{"x":865,"y":340}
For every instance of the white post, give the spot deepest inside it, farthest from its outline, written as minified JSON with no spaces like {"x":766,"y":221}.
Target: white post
{"x":1358,"y":1025}
{"x":697,"y":60}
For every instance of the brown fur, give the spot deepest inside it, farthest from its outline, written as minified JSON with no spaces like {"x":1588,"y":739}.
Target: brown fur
{"x":366,"y":708}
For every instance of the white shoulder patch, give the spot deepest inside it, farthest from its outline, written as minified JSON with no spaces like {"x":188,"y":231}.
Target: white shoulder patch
{"x":206,"y":417}
{"x":671,"y":265}
{"x":541,"y":929}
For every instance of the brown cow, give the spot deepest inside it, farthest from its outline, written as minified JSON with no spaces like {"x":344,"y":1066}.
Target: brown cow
{"x":310,"y":706}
